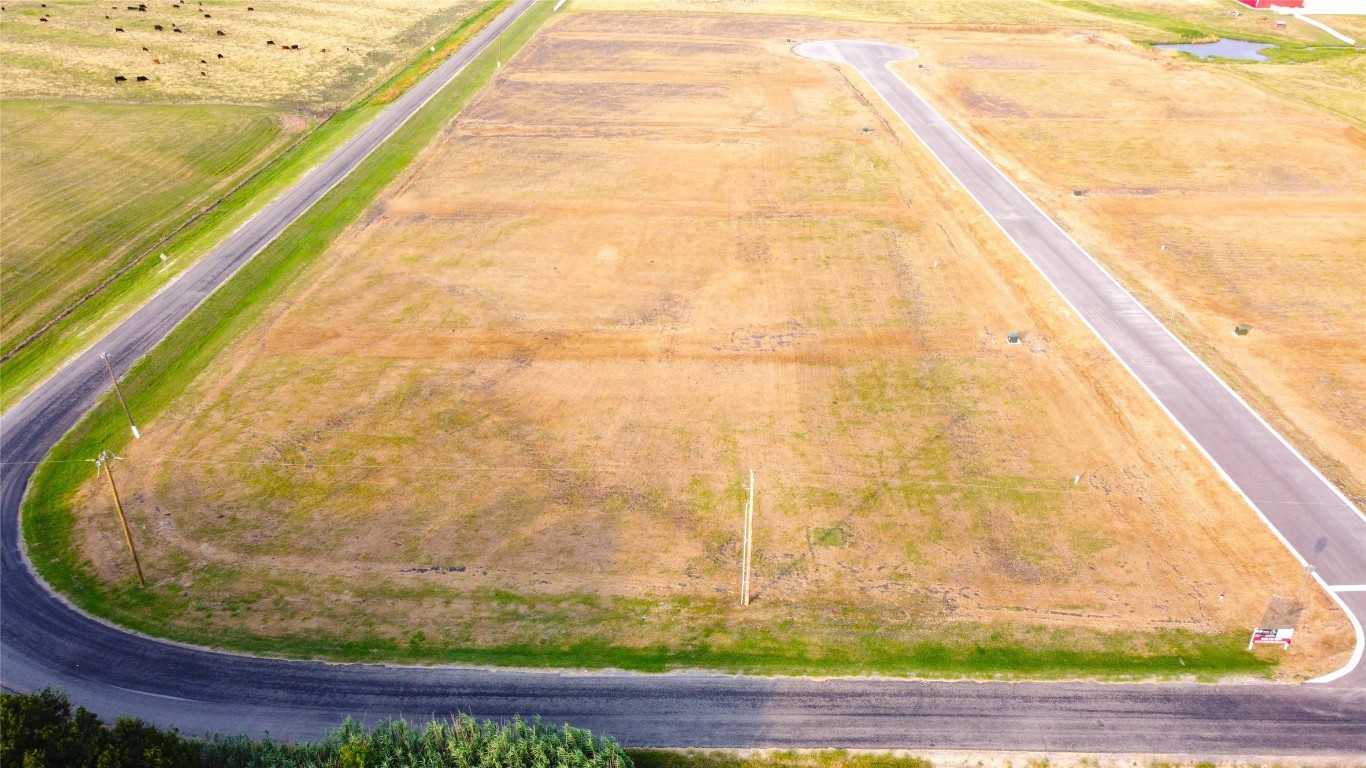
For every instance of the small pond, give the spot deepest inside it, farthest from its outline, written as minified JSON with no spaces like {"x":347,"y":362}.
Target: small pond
{"x":1224,"y":48}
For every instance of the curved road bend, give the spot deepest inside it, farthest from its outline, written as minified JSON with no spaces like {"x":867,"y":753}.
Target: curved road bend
{"x":43,"y":641}
{"x":1317,"y":523}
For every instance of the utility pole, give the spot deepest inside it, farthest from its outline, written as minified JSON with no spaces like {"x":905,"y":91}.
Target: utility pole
{"x":500,"y":51}
{"x":747,"y":548}
{"x":119,"y":392}
{"x":105,"y":460}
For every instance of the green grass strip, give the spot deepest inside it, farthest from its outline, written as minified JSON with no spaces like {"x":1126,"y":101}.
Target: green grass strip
{"x":44,"y":356}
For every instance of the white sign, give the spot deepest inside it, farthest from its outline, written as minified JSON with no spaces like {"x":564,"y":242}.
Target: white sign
{"x":1262,"y":636}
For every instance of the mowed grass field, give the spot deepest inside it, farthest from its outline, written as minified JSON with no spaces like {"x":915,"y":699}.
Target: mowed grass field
{"x":96,"y":173}
{"x":342,"y":47}
{"x":509,"y":416}
{"x":1215,"y":202}
{"x":84,"y":187}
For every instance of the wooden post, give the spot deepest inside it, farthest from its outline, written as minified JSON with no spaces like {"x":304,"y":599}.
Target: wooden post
{"x":106,"y":460}
{"x":119,"y":392}
{"x":748,"y":545}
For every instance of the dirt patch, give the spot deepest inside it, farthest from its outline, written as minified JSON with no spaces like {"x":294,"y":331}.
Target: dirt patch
{"x":532,"y":382}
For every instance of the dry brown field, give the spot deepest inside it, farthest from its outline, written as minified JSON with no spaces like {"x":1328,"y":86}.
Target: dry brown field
{"x":1336,"y":85}
{"x":921,"y":12}
{"x":516,"y":404}
{"x":1217,"y":203}
{"x":343,"y":45}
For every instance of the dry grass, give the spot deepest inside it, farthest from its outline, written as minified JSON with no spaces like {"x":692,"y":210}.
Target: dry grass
{"x":342,"y":47}
{"x":1217,"y":203}
{"x":1220,"y":14}
{"x":922,"y":12}
{"x":1351,"y":26}
{"x":653,"y":255}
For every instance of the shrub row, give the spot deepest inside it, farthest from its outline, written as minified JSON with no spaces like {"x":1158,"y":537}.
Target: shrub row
{"x":41,"y":731}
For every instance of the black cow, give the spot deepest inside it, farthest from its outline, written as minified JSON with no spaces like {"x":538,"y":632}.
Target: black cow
{"x":142,"y":78}
{"x":120,"y":79}
{"x":118,"y":29}
{"x":221,"y":33}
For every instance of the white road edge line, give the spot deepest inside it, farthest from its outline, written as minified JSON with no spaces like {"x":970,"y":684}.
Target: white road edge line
{"x":1348,"y":588}
{"x":1360,"y":647}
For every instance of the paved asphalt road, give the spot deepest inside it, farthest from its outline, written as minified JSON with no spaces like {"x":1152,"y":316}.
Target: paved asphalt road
{"x":45,"y":642}
{"x":1310,"y":516}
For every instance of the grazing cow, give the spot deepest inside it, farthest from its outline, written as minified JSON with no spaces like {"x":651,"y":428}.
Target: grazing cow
{"x":270,"y":42}
{"x":202,"y":72}
{"x":118,"y":29}
{"x":120,"y":79}
{"x":156,"y":61}
{"x":132,"y":7}
{"x":177,"y":29}
{"x":221,"y":33}
{"x":144,"y":49}
{"x":293,"y":47}
{"x":220,"y":55}
{"x":158,"y":28}
{"x":207,"y":16}
{"x":43,"y":20}
{"x":249,"y":8}
{"x":142,"y":78}
{"x":201,"y":61}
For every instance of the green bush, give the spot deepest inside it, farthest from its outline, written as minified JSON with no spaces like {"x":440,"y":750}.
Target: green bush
{"x":40,"y":731}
